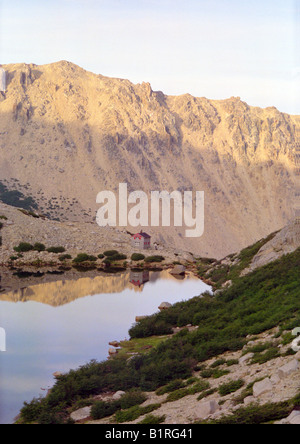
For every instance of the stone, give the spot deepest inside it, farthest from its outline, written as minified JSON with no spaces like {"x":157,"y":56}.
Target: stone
{"x":249,"y":400}
{"x":164,"y":306}
{"x":246,"y":358}
{"x":81,"y":414}
{"x":275,"y":379}
{"x":118,"y":395}
{"x":205,"y":409}
{"x":289,"y":368}
{"x":294,"y":416}
{"x":295,"y":420}
{"x":112,"y":351}
{"x":262,"y":387}
{"x":178,"y":270}
{"x":114,"y":344}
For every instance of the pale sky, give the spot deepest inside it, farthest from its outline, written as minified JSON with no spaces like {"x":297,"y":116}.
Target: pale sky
{"x":208,"y":48}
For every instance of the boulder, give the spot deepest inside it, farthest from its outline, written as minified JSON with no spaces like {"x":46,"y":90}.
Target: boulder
{"x":81,"y":414}
{"x":112,"y":351}
{"x":164,"y":306}
{"x":249,"y":400}
{"x":262,"y":387}
{"x":118,"y":395}
{"x":295,"y":420}
{"x":205,"y":409}
{"x":178,"y":270}
{"x":288,"y":369}
{"x":114,"y":344}
{"x":294,"y":417}
{"x":246,"y":358}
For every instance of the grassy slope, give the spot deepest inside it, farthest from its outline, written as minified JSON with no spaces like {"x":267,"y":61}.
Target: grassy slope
{"x":257,"y":302}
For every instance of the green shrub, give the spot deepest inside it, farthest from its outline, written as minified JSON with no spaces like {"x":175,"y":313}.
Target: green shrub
{"x":110,"y":253}
{"x":132,"y":398}
{"x":218,"y":363}
{"x":137,"y":257}
{"x":270,"y":354}
{"x":153,"y":419}
{"x":151,"y":259}
{"x":232,"y":362}
{"x":24,"y":247}
{"x":56,"y":250}
{"x":171,"y":387}
{"x":83,"y":257}
{"x":64,"y":257}
{"x":257,"y":414}
{"x":231,"y":387}
{"x":32,"y":410}
{"x":39,"y":247}
{"x":206,"y":393}
{"x":135,"y":412}
{"x":102,"y":409}
{"x":117,"y":257}
{"x":101,"y":256}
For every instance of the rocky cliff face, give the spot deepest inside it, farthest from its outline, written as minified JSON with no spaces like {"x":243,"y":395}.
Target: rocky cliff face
{"x":66,"y":134}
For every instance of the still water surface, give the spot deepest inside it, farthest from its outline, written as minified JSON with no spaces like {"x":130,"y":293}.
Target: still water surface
{"x":61,"y":325}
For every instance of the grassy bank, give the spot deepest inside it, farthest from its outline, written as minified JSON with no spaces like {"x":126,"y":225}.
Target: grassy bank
{"x":266,"y":298}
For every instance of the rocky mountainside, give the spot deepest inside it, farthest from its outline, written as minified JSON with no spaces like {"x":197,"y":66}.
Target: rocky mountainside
{"x":66,"y":134}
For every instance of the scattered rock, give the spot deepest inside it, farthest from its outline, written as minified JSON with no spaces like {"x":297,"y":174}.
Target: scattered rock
{"x":262,"y":387}
{"x":289,"y":368}
{"x":178,"y":270}
{"x":81,"y":414}
{"x":112,"y":351}
{"x":205,"y":409}
{"x":249,"y":400}
{"x":164,"y":306}
{"x":246,"y":358}
{"x":118,"y":395}
{"x":114,"y":344}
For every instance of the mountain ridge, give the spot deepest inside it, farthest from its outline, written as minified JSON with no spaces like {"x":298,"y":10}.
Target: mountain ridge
{"x":67,"y":134}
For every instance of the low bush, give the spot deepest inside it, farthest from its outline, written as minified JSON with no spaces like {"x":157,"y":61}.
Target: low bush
{"x":151,"y":259}
{"x":257,"y":414}
{"x":56,"y":250}
{"x":39,"y":247}
{"x":132,"y":398}
{"x":32,"y":410}
{"x":137,"y":257}
{"x":103,"y":409}
{"x":83,"y":257}
{"x":262,"y":358}
{"x":117,"y":257}
{"x":171,"y":387}
{"x":153,"y":419}
{"x":64,"y":257}
{"x":135,"y":412}
{"x":24,"y":247}
{"x":110,"y":253}
{"x":231,"y":387}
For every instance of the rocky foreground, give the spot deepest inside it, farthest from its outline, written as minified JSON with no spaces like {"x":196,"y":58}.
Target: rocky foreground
{"x":259,"y":384}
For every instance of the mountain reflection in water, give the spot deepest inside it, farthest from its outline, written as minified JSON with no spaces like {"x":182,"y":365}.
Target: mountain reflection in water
{"x":63,"y":324}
